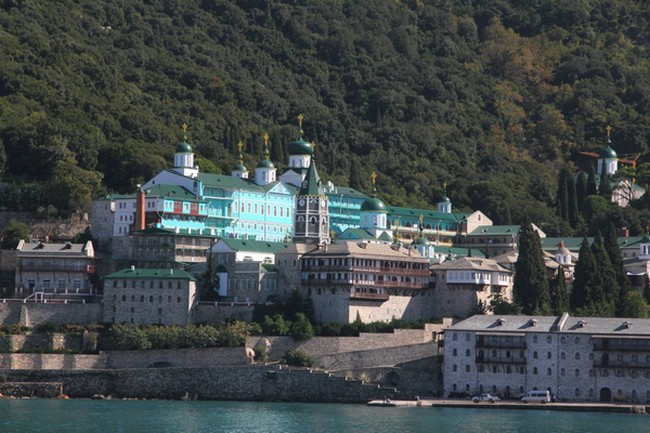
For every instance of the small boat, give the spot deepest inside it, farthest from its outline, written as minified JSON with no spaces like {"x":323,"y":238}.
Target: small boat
{"x":382,"y":403}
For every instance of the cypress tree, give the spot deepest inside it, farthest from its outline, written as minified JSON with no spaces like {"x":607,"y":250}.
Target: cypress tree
{"x":581,"y":189}
{"x":531,"y":289}
{"x":616,"y":258}
{"x":559,"y":293}
{"x":584,"y":278}
{"x":605,"y":292}
{"x":563,"y":195}
{"x":604,"y":187}
{"x":573,"y":203}
{"x":592,"y":188}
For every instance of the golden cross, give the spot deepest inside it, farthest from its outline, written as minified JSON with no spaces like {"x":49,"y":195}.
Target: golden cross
{"x":184,"y":127}
{"x":444,"y":185}
{"x":300,"y":117}
{"x":240,"y":145}
{"x":313,"y":144}
{"x":265,"y":137}
{"x":609,"y":131}
{"x":421,"y":218}
{"x":373,"y":177}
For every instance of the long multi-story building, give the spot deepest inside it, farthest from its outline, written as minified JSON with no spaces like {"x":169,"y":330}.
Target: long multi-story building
{"x":575,"y":358}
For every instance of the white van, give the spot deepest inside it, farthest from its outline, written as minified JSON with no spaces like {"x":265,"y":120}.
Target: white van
{"x":537,"y":397}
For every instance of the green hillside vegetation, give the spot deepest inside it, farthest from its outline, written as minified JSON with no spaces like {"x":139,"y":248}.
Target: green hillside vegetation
{"x":493,"y":98}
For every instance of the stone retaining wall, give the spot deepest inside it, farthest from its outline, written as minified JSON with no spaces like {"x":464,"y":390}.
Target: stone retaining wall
{"x":208,"y":357}
{"x":252,"y":383}
{"x":322,"y":346}
{"x":31,"y":389}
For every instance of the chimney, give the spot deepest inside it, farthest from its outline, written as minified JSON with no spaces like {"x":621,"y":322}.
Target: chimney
{"x":139,"y":208}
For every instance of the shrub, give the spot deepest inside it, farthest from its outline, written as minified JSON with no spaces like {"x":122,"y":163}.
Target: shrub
{"x":261,"y":353}
{"x":127,"y":337}
{"x":275,"y":325}
{"x":298,"y":358}
{"x":301,"y":328}
{"x":233,"y":334}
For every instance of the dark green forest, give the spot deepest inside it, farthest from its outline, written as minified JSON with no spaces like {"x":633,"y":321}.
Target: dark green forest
{"x":494,"y":98}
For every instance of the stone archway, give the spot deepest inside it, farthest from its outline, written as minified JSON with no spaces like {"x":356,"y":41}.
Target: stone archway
{"x":605,"y":395}
{"x":392,"y":378}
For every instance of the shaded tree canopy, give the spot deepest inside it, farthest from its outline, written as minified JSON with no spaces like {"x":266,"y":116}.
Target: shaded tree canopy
{"x":492,"y":100}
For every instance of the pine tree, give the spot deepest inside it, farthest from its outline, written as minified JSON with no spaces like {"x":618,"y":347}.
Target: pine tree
{"x":605,"y":292}
{"x":616,"y":258}
{"x":559,"y":293}
{"x":531,"y":289}
{"x":584,"y":278}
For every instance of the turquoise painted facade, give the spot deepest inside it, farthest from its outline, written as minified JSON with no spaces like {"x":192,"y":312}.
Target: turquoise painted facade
{"x":262,"y":208}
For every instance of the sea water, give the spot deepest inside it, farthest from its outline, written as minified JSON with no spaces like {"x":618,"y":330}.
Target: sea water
{"x":158,"y":416}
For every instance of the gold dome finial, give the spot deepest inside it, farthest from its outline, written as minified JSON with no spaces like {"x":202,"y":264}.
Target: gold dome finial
{"x":184,"y":128}
{"x":373,"y":178}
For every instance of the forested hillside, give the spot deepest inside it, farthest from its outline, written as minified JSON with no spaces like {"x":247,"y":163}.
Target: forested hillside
{"x":492,"y":97}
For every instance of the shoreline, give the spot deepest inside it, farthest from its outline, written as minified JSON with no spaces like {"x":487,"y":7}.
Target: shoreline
{"x":517,"y":405}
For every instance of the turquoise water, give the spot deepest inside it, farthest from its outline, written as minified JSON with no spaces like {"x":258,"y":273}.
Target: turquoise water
{"x":67,"y":416}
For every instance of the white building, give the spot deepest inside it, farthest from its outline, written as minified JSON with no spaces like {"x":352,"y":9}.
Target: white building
{"x":575,"y":358}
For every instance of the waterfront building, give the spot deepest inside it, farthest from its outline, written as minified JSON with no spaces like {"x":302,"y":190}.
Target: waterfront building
{"x":575,"y":358}
{"x":466,"y":285}
{"x":55,"y":270}
{"x":149,"y":297}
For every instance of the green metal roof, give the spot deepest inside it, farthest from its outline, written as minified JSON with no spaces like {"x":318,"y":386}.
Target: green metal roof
{"x":354,"y":233}
{"x":427,"y":213}
{"x":252,"y":245}
{"x":300,"y":147}
{"x":173,"y":191}
{"x":183,"y":147}
{"x":227,"y":181}
{"x":495,"y":230}
{"x":607,"y":153}
{"x":265,"y":163}
{"x":312,"y":184}
{"x":203,"y":233}
{"x":153,"y":274}
{"x":373,"y":204}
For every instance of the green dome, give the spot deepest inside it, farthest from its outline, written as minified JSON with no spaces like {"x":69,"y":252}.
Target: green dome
{"x":422,"y":241}
{"x":300,"y":147}
{"x":444,"y":199}
{"x":265,"y":163}
{"x":240,"y":167}
{"x":607,"y":153}
{"x":183,"y":147}
{"x":645,"y":240}
{"x":374,"y":205}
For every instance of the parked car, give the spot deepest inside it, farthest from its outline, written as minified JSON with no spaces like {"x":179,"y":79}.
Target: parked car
{"x":485,"y":397}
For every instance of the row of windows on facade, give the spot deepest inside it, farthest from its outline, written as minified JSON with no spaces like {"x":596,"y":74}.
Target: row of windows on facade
{"x":60,"y":284}
{"x":169,"y":240}
{"x":472,"y":276}
{"x":366,"y":263}
{"x":519,"y":369}
{"x":249,"y":284}
{"x":142,"y":284}
{"x":495,"y":354}
{"x":255,"y":210}
{"x":167,"y":253}
{"x":598,"y":344}
{"x":275,"y":228}
{"x":369,"y":278}
{"x":508,"y":339}
{"x":143,"y":297}
{"x":577,"y":391}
